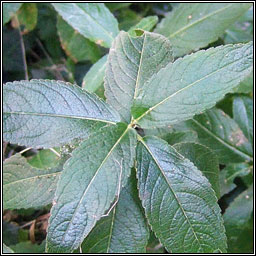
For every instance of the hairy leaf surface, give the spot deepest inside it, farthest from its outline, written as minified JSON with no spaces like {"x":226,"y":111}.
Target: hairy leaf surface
{"x":25,"y":186}
{"x":180,"y":204}
{"x":92,"y":20}
{"x":192,"y":84}
{"x":124,"y":230}
{"x":45,"y":113}
{"x":219,"y":132}
{"x":192,"y":26}
{"x":88,"y":185}
{"x":131,"y":62}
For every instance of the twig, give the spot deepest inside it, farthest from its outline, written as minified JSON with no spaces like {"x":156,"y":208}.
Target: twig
{"x":24,"y":150}
{"x":55,"y":152}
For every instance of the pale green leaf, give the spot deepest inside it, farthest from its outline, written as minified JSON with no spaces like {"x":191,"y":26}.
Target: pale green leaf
{"x":180,"y":204}
{"x":146,"y":24}
{"x":77,"y":47}
{"x":229,"y":173}
{"x":204,"y":159}
{"x":192,"y":84}
{"x":124,"y":230}
{"x":237,"y":218}
{"x":45,"y":113}
{"x":192,"y":26}
{"x":218,"y":131}
{"x":25,"y":186}
{"x":94,"y":78}
{"x":9,"y":9}
{"x":246,"y":86}
{"x":131,"y":62}
{"x":89,"y":184}
{"x":7,"y":249}
{"x":92,"y":20}
{"x":243,"y":115}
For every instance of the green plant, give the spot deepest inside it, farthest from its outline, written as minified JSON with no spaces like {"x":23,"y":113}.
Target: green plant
{"x":156,"y":142}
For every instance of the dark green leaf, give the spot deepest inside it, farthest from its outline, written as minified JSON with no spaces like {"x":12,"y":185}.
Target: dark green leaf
{"x":124,"y":230}
{"x":180,"y":204}
{"x":25,"y":186}
{"x":191,"y":85}
{"x":192,"y":26}
{"x":204,"y":159}
{"x":45,"y":113}
{"x":92,"y":20}
{"x":28,"y":247}
{"x":89,"y":184}
{"x":131,"y":62}
{"x":116,"y":6}
{"x":178,"y":137}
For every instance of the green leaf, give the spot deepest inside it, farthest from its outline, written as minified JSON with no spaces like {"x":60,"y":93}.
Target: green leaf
{"x":192,"y":26}
{"x":243,"y":115}
{"x":92,"y":20}
{"x":146,"y":24}
{"x":45,"y":113}
{"x":25,"y":186}
{"x":246,"y":86}
{"x":191,"y":85}
{"x":228,"y":175}
{"x":28,"y":247}
{"x":9,"y":9}
{"x":116,"y":6}
{"x":27,"y":16}
{"x":179,"y":202}
{"x":7,"y":249}
{"x":237,"y":218}
{"x":219,"y":132}
{"x":88,"y":185}
{"x":93,"y":79}
{"x":77,"y":47}
{"x":44,"y":159}
{"x":204,"y":159}
{"x":124,"y":230}
{"x":131,"y":62}
{"x":178,"y":137}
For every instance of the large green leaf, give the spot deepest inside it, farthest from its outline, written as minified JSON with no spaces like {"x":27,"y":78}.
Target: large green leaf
{"x":75,"y":45}
{"x":25,"y":186}
{"x":243,"y":115}
{"x":131,"y":62}
{"x":218,"y":131}
{"x":88,"y":185}
{"x":246,"y":86}
{"x":180,"y":204}
{"x":204,"y":159}
{"x":192,"y":26}
{"x":9,"y":9}
{"x":237,"y":219}
{"x":94,"y":78}
{"x":192,"y":84}
{"x":124,"y":230}
{"x":44,"y":113}
{"x":92,"y":20}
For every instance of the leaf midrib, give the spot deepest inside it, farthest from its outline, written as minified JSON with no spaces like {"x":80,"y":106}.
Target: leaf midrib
{"x":198,"y":21}
{"x":184,"y":88}
{"x":167,"y":181}
{"x":58,"y":115}
{"x":94,"y":176}
{"x":231,"y":147}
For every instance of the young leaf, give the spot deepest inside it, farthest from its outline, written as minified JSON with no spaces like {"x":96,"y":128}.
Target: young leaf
{"x":124,"y":230}
{"x":218,"y":131}
{"x":51,"y":113}
{"x":25,"y":186}
{"x":75,"y":45}
{"x":192,"y":26}
{"x":243,"y":115}
{"x":131,"y":62}
{"x":191,"y":85}
{"x":88,"y":185}
{"x":179,"y":202}
{"x":93,"y":79}
{"x":204,"y":159}
{"x":237,"y":217}
{"x":92,"y":20}
{"x":146,"y":24}
{"x":9,"y":9}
